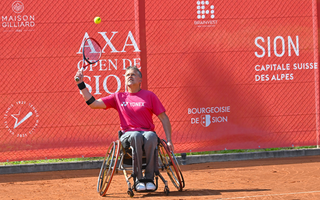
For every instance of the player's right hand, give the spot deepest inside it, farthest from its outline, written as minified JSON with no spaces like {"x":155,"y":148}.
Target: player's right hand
{"x":79,"y":75}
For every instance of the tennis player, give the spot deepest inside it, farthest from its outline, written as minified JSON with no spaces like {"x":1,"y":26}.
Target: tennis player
{"x":136,"y":108}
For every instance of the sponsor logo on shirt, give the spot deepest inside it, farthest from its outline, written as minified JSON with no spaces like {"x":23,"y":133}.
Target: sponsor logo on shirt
{"x":133,"y":104}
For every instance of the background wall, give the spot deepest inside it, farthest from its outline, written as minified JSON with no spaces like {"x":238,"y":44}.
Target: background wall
{"x":232,"y":74}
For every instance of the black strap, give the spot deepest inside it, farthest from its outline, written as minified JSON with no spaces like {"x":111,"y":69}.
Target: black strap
{"x":91,"y":100}
{"x":81,"y":85}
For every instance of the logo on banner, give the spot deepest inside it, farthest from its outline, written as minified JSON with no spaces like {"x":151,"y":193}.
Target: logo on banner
{"x":205,"y":120}
{"x":209,"y":115}
{"x":17,"y":7}
{"x":205,"y":14}
{"x":18,"y":22}
{"x":21,"y":119}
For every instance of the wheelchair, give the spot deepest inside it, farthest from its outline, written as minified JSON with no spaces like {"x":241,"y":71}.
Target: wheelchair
{"x":121,"y":158}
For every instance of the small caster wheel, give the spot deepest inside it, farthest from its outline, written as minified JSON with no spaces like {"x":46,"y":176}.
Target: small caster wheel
{"x":166,"y":190}
{"x":130,"y":193}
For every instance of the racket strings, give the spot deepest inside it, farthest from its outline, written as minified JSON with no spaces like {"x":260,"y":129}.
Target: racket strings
{"x":91,"y":51}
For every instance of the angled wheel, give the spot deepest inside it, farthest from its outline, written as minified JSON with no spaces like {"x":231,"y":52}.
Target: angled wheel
{"x":169,"y":162}
{"x":175,"y":161}
{"x":108,"y":168}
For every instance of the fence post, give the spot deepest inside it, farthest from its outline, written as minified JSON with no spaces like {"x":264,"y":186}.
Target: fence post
{"x":318,"y":27}
{"x":143,"y":44}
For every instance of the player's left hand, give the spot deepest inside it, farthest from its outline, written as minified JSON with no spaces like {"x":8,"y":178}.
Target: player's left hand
{"x":170,"y":146}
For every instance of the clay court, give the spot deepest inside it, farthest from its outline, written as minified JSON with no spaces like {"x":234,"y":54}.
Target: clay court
{"x":280,"y":178}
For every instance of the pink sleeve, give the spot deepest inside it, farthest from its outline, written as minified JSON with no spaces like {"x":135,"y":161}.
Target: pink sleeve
{"x":157,"y":106}
{"x":109,"y":101}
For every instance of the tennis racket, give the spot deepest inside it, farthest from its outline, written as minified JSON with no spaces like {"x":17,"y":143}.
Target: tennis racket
{"x":91,"y":52}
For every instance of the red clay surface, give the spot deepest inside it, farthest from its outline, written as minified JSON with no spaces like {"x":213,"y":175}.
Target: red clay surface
{"x":282,"y":178}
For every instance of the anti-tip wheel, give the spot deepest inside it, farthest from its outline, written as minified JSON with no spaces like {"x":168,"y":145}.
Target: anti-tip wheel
{"x":166,"y":190}
{"x":130,"y":193}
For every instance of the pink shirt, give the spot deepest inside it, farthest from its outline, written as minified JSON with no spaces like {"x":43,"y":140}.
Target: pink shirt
{"x":135,"y":109}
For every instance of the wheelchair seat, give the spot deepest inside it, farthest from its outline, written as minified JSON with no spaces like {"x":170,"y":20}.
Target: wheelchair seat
{"x":127,"y":153}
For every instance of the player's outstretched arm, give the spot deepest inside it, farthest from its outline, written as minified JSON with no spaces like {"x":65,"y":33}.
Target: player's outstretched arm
{"x":90,"y":100}
{"x":167,"y":129}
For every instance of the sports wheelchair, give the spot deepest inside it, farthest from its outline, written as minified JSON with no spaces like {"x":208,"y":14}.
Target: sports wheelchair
{"x":113,"y":162}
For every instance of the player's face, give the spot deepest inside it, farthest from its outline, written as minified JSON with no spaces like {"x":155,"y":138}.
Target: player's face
{"x":132,"y":78}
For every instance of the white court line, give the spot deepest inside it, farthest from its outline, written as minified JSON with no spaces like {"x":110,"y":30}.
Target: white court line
{"x":270,"y":195}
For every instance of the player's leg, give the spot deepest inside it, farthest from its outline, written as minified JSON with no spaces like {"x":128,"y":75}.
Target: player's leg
{"x":150,"y":140}
{"x":135,"y":138}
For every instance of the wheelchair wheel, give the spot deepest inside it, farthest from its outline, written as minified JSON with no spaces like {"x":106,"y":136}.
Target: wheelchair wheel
{"x":108,"y":168}
{"x":175,"y":161}
{"x":169,"y":162}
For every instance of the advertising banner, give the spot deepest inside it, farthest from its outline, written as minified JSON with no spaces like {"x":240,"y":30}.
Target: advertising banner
{"x":236,"y":74}
{"x":231,"y":74}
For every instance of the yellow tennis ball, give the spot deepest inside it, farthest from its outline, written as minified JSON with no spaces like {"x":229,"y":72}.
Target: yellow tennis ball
{"x":97,"y":20}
